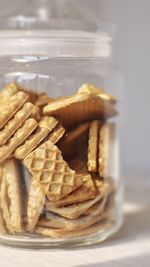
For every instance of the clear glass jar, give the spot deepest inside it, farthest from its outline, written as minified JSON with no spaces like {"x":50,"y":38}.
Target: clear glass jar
{"x":59,"y":136}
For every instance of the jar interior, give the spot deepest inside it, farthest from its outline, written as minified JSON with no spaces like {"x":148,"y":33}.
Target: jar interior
{"x":62,"y":77}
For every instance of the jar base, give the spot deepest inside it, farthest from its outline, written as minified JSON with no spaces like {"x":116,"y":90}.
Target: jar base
{"x":28,"y":242}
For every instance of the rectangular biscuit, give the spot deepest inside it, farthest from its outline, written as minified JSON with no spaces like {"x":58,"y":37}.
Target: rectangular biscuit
{"x":82,"y":222}
{"x":22,"y":134}
{"x":4,"y":204}
{"x":35,"y":204}
{"x":47,"y":165}
{"x":56,"y":134}
{"x":85,"y":192}
{"x":12,"y":177}
{"x":8,"y":91}
{"x":12,"y":126}
{"x":45,"y":126}
{"x":62,"y":233}
{"x":76,"y":210}
{"x":93,"y":146}
{"x":88,"y":104}
{"x":9,"y":107}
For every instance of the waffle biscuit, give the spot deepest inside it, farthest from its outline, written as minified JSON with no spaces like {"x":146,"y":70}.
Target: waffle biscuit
{"x":12,"y":126}
{"x":20,"y":136}
{"x":4,"y":204}
{"x":82,"y":107}
{"x":35,"y":204}
{"x":93,"y":146}
{"x":47,"y":165}
{"x":46,"y":125}
{"x":9,"y":107}
{"x":56,"y":221}
{"x":12,"y":178}
{"x":56,"y":134}
{"x":8,"y":91}
{"x":106,"y":153}
{"x":85,"y":192}
{"x":67,"y":145}
{"x":62,"y":233}
{"x":76,"y":210}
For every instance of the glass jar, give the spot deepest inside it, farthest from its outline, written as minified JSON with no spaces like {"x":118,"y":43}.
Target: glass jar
{"x":59,"y":135}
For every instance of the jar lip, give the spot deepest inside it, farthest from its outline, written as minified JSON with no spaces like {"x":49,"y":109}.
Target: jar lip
{"x":52,"y":33}
{"x":57,"y":43}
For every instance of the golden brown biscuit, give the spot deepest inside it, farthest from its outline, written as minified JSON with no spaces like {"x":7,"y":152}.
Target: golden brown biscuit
{"x":56,"y":221}
{"x":43,"y":99}
{"x":20,"y":136}
{"x":93,"y":146}
{"x":47,"y":165}
{"x":84,"y":106}
{"x":76,"y":210}
{"x":12,"y":126}
{"x":46,"y":125}
{"x":4,"y":204}
{"x":36,"y":200}
{"x":2,"y":225}
{"x":36,"y":113}
{"x":88,"y":88}
{"x":62,"y":233}
{"x":85,"y":192}
{"x":56,"y":134}
{"x":9,"y":107}
{"x":12,"y":178}
{"x":8,"y":91}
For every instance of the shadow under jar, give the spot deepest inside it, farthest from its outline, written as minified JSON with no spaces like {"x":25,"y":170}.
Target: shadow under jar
{"x":59,"y":139}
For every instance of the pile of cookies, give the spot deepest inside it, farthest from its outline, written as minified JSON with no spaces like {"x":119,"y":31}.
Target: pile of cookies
{"x":55,"y":162}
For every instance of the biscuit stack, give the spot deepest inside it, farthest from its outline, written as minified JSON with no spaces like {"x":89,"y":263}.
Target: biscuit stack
{"x":55,"y":162}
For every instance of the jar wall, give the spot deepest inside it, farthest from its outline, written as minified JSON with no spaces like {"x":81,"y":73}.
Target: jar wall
{"x":66,"y":75}
{"x":59,"y":78}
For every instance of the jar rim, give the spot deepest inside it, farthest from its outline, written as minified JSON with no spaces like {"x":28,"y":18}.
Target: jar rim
{"x":56,"y":43}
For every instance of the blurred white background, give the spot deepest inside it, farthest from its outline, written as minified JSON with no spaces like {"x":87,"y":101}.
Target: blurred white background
{"x":132,"y":46}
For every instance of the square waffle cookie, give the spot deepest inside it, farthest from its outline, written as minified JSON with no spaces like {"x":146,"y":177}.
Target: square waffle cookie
{"x":47,"y":166}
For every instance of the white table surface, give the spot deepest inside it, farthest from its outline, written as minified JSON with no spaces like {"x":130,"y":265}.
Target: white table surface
{"x":130,"y":247}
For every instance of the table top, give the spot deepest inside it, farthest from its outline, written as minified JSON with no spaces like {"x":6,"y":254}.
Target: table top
{"x":129,"y":247}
